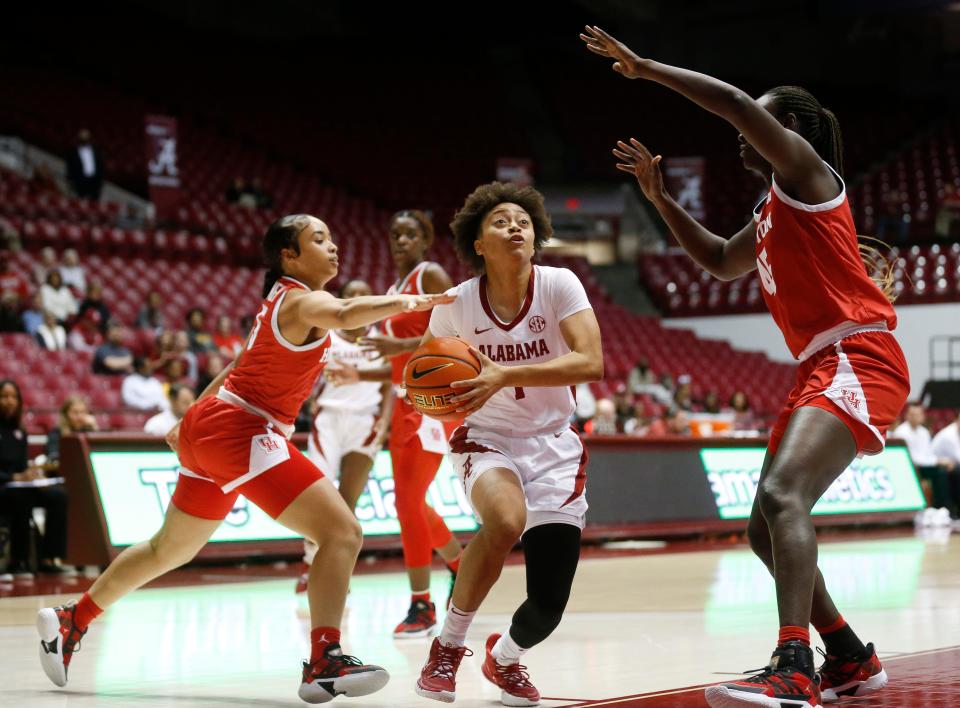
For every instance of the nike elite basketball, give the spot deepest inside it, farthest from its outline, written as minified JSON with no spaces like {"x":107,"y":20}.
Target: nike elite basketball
{"x":431,"y":370}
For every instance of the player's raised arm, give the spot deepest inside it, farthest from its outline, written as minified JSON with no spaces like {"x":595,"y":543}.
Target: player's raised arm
{"x":323,"y":310}
{"x":793,"y":160}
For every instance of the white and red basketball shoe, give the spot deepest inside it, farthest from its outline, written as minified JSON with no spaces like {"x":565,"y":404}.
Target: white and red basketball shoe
{"x":59,"y":639}
{"x":438,"y":679}
{"x":512,"y":679}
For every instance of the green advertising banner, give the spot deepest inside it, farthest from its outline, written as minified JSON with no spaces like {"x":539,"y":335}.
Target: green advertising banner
{"x":135,"y":489}
{"x":884,"y":482}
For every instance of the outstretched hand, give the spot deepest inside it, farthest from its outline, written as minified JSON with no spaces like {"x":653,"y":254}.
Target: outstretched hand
{"x":625,"y":62}
{"x":418,"y":303}
{"x":640,"y":162}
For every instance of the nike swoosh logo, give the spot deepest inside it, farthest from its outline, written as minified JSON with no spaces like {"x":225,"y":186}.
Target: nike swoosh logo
{"x":424,"y":372}
{"x":481,"y":331}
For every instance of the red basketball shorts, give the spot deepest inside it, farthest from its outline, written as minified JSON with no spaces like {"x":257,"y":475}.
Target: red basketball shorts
{"x":226,"y":451}
{"x":862,"y":379}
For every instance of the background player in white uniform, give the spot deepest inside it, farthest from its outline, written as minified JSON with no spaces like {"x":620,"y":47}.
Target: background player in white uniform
{"x":351,"y":419}
{"x":522,"y":465}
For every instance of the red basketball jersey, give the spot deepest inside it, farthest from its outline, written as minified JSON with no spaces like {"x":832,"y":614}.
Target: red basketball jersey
{"x":274,"y":375}
{"x":814,"y":281}
{"x":407,"y":324}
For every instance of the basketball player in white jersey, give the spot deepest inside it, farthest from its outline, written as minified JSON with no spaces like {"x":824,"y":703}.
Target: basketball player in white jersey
{"x":523,"y":467}
{"x":351,"y":420}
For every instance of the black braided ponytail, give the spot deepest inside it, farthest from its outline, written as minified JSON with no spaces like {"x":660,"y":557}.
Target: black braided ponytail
{"x":818,"y":125}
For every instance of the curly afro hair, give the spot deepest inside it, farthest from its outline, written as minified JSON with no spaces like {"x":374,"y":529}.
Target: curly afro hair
{"x":468,"y":220}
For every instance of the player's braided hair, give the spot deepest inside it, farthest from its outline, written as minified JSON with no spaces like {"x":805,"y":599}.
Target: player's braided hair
{"x":421,"y":217}
{"x":282,"y":234}
{"x":818,"y":125}
{"x":468,"y":220}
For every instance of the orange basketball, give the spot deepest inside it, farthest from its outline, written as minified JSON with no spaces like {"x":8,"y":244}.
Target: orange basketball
{"x":431,"y":370}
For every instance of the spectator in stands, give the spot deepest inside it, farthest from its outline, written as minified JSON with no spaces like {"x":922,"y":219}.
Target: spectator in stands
{"x":623,"y":404}
{"x":94,"y":302}
{"x":72,"y":272}
{"x":586,"y":405}
{"x":9,"y":236}
{"x":683,"y":396}
{"x":75,"y":417}
{"x":946,"y":446}
{"x":215,"y":364}
{"x":181,"y":398}
{"x":640,"y":375}
{"x":264,"y":200}
{"x":226,"y":339}
{"x":17,"y":503}
{"x":141,"y":389}
{"x":151,"y":314}
{"x":931,"y":467}
{"x":236,"y":190}
{"x":246,"y":324}
{"x":11,"y":281}
{"x":894,"y":224}
{"x":175,"y":372}
{"x":51,"y":334}
{"x":86,"y":334}
{"x":181,"y":350}
{"x":711,"y":402}
{"x":10,"y":318}
{"x":200,"y":339}
{"x":605,"y":421}
{"x":949,"y":212}
{"x":673,"y":422}
{"x":743,"y":418}
{"x":58,"y":298}
{"x":639,"y":423}
{"x":33,"y":315}
{"x":112,"y":357}
{"x":48,"y":262}
{"x":84,"y":169}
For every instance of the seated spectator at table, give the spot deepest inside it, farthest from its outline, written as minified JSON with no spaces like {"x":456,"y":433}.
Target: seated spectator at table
{"x":181,"y":398}
{"x":672,"y":423}
{"x":84,"y":168}
{"x":743,"y":417}
{"x":711,"y":402}
{"x":227,"y":340}
{"x":18,"y":502}
{"x":605,"y":421}
{"x":86,"y":334}
{"x":946,"y":447}
{"x":72,"y":272}
{"x":141,"y":389}
{"x":11,"y":320}
{"x":931,"y":467}
{"x":33,"y":315}
{"x":93,"y":301}
{"x":75,"y":417}
{"x":51,"y":335}
{"x":112,"y":358}
{"x":200,"y":339}
{"x":151,"y":314}
{"x":58,"y":299}
{"x":640,"y":375}
{"x":683,"y":396}
{"x":48,"y":262}
{"x":12,"y":281}
{"x":214,"y":366}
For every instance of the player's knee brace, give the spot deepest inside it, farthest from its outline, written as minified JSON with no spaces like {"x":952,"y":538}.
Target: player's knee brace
{"x":551,"y":552}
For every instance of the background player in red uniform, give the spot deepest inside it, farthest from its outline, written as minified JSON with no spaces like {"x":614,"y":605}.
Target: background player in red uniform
{"x":234,"y":441}
{"x":852,"y":380}
{"x":417,"y":443}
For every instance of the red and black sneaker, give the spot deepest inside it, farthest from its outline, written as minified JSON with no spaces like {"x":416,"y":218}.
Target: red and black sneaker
{"x":420,"y":621}
{"x":339,"y":674}
{"x":789,"y":680}
{"x":512,"y":679}
{"x":59,"y":639}
{"x":438,"y":679}
{"x":851,"y":676}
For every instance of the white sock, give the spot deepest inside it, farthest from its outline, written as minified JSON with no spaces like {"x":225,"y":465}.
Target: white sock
{"x":506,"y":651}
{"x":454,"y":632}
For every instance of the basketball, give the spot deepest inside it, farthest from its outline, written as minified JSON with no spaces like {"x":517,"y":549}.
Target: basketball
{"x":431,"y":370}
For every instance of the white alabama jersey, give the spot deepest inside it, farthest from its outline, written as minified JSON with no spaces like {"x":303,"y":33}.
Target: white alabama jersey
{"x":532,"y":337}
{"x":360,"y":397}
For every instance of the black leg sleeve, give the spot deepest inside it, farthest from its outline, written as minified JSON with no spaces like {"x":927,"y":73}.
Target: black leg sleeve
{"x":552,"y":552}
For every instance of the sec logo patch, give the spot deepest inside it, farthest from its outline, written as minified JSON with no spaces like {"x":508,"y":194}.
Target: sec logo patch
{"x":537,"y":323}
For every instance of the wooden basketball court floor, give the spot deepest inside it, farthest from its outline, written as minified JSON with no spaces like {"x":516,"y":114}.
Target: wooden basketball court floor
{"x":642,"y":629}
